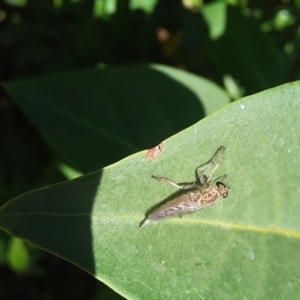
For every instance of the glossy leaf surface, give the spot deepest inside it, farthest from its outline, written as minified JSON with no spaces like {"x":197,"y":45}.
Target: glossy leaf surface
{"x":245,"y":246}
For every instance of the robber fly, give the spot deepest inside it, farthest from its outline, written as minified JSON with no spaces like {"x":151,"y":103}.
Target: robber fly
{"x":198,"y":195}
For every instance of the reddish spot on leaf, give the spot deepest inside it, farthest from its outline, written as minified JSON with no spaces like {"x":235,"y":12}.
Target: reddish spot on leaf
{"x":154,"y":152}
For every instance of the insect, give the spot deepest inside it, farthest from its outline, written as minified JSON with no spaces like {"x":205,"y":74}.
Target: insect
{"x":200,"y":194}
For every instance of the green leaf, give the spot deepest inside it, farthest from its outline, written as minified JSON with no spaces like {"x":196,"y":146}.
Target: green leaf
{"x":245,"y":246}
{"x":146,"y":5}
{"x":16,"y":3}
{"x":17,"y":255}
{"x":246,"y":53}
{"x":215,"y":15}
{"x":96,"y":117}
{"x":104,"y":8}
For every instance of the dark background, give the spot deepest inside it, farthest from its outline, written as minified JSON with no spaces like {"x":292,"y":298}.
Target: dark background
{"x":257,"y":48}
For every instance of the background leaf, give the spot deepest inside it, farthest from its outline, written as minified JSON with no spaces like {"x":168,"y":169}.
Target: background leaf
{"x":252,"y":51}
{"x":90,"y":116}
{"x":245,"y":246}
{"x":215,"y":14}
{"x":18,"y":255}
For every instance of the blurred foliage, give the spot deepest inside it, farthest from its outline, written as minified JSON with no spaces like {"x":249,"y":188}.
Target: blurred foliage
{"x":17,"y":255}
{"x":245,"y":46}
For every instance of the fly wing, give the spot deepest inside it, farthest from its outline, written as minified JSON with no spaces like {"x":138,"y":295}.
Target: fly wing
{"x":185,"y":204}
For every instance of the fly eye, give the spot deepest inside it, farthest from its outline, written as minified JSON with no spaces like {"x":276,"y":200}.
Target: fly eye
{"x":222,"y":189}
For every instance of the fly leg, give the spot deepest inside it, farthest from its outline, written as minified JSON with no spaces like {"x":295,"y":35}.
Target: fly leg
{"x":182,"y":187}
{"x":220,"y":178}
{"x":212,"y":172}
{"x":214,"y":160}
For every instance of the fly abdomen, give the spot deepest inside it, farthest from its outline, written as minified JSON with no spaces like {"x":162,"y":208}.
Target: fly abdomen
{"x":171,"y":209}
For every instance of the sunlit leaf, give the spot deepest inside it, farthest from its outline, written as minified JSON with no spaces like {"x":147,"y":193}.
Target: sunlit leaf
{"x":244,"y":247}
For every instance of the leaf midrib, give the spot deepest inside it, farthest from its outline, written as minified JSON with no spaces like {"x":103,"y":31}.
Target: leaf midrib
{"x":225,"y":225}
